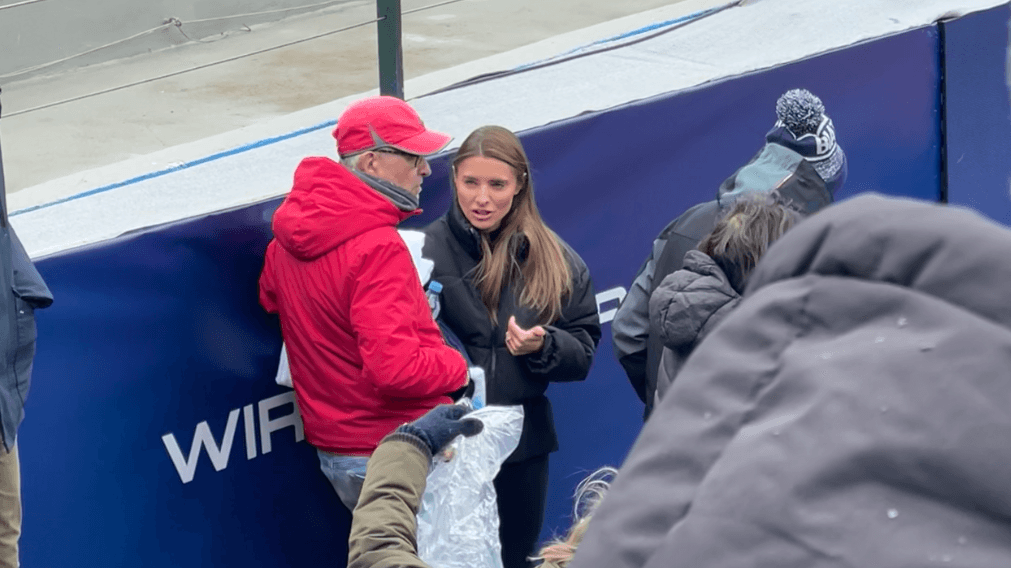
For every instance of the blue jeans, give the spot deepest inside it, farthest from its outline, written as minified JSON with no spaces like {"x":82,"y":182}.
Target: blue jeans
{"x":346,"y":474}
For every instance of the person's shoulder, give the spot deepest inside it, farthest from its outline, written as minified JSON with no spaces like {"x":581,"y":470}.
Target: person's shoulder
{"x":695,"y":222}
{"x":700,"y":275}
{"x":700,"y":263}
{"x":319,"y":166}
{"x":576,"y":262}
{"x":379,"y":242}
{"x":683,"y":281}
{"x":438,"y":228}
{"x":438,"y":234}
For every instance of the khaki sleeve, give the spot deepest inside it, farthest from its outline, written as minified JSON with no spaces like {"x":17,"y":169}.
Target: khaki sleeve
{"x":384,"y":526}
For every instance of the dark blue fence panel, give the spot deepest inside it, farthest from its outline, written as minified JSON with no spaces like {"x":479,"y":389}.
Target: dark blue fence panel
{"x":157,"y":338}
{"x":978,"y":113}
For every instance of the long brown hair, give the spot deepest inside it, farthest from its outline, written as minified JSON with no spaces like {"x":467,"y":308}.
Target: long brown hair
{"x":742,"y":236}
{"x":544,"y":275}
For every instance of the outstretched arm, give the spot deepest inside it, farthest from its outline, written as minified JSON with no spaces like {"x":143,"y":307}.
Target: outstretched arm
{"x":384,"y":527}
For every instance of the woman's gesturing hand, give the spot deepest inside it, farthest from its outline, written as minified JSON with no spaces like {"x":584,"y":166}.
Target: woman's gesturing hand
{"x":521,"y":341}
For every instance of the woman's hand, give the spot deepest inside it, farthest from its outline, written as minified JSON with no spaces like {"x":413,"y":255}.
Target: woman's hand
{"x":521,"y":341}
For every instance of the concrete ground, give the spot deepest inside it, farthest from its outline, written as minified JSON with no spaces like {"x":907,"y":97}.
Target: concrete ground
{"x":43,"y":145}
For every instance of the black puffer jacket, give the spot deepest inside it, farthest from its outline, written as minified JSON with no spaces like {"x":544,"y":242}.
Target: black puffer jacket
{"x":851,"y":412}
{"x":454,"y":246}
{"x":686,"y":306}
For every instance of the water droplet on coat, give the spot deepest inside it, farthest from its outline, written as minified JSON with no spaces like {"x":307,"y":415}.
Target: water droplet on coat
{"x":879,"y":339}
{"x":962,"y":540}
{"x":707,"y":415}
{"x":946,"y":558}
{"x":902,"y":322}
{"x":884,"y":409}
{"x":826,"y":356}
{"x":892,"y":513}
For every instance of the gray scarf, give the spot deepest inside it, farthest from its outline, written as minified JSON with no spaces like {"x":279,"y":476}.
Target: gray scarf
{"x":401,"y":198}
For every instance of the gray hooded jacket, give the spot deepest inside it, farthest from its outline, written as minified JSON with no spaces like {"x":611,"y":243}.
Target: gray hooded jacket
{"x":685,"y":308}
{"x":851,"y":412}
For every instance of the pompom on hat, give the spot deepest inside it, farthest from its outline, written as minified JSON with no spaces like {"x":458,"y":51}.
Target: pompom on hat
{"x":803,"y":127}
{"x":385,"y":121}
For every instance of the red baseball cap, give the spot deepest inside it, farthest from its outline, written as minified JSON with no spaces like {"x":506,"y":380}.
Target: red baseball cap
{"x":385,"y":121}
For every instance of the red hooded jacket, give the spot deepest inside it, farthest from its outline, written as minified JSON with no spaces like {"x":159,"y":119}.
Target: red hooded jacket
{"x":364,"y":353}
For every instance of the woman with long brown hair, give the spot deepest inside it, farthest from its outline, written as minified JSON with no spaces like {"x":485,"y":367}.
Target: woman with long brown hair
{"x":522,"y":303}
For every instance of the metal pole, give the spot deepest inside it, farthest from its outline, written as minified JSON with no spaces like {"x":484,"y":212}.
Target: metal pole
{"x":391,"y":53}
{"x":25,"y":3}
{"x":942,"y":196}
{"x":3,"y":187}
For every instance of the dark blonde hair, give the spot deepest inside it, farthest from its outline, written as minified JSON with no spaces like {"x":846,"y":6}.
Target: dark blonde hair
{"x":545,"y":276}
{"x":745,"y":232}
{"x":558,"y":553}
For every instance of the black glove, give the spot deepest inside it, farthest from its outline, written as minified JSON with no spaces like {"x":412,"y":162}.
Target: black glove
{"x":441,"y":425}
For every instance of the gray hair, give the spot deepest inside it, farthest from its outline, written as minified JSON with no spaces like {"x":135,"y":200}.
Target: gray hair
{"x":351,"y":161}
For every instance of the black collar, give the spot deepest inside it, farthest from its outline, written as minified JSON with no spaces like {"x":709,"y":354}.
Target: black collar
{"x":463,"y":231}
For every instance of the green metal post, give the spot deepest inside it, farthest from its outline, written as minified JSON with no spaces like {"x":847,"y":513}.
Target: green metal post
{"x":3,"y":188}
{"x":391,"y":53}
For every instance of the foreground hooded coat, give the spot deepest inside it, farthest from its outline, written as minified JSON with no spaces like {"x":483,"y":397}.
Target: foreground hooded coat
{"x":364,"y":352}
{"x":851,"y":412}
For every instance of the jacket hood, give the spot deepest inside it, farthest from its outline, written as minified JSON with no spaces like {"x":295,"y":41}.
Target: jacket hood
{"x":947,"y":252}
{"x":687,"y":299}
{"x":327,"y":206}
{"x":779,"y":168}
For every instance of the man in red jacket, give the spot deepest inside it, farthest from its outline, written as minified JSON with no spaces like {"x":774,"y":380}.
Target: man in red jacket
{"x":364,"y":352}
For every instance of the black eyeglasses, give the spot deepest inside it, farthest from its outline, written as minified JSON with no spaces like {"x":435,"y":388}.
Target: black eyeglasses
{"x":414,"y":159}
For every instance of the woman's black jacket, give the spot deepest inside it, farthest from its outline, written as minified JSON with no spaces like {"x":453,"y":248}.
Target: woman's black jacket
{"x":454,"y":246}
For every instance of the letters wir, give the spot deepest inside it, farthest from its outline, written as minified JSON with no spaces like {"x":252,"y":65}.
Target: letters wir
{"x":219,"y":453}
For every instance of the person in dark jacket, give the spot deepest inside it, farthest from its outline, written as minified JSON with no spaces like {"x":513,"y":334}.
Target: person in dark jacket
{"x":692,"y":301}
{"x":852,"y":411}
{"x":522,"y":303}
{"x":800,"y":159}
{"x":24,"y":291}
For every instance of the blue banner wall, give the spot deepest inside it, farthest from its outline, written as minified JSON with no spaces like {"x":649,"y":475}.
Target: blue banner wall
{"x":978,"y":113}
{"x":157,"y":339}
